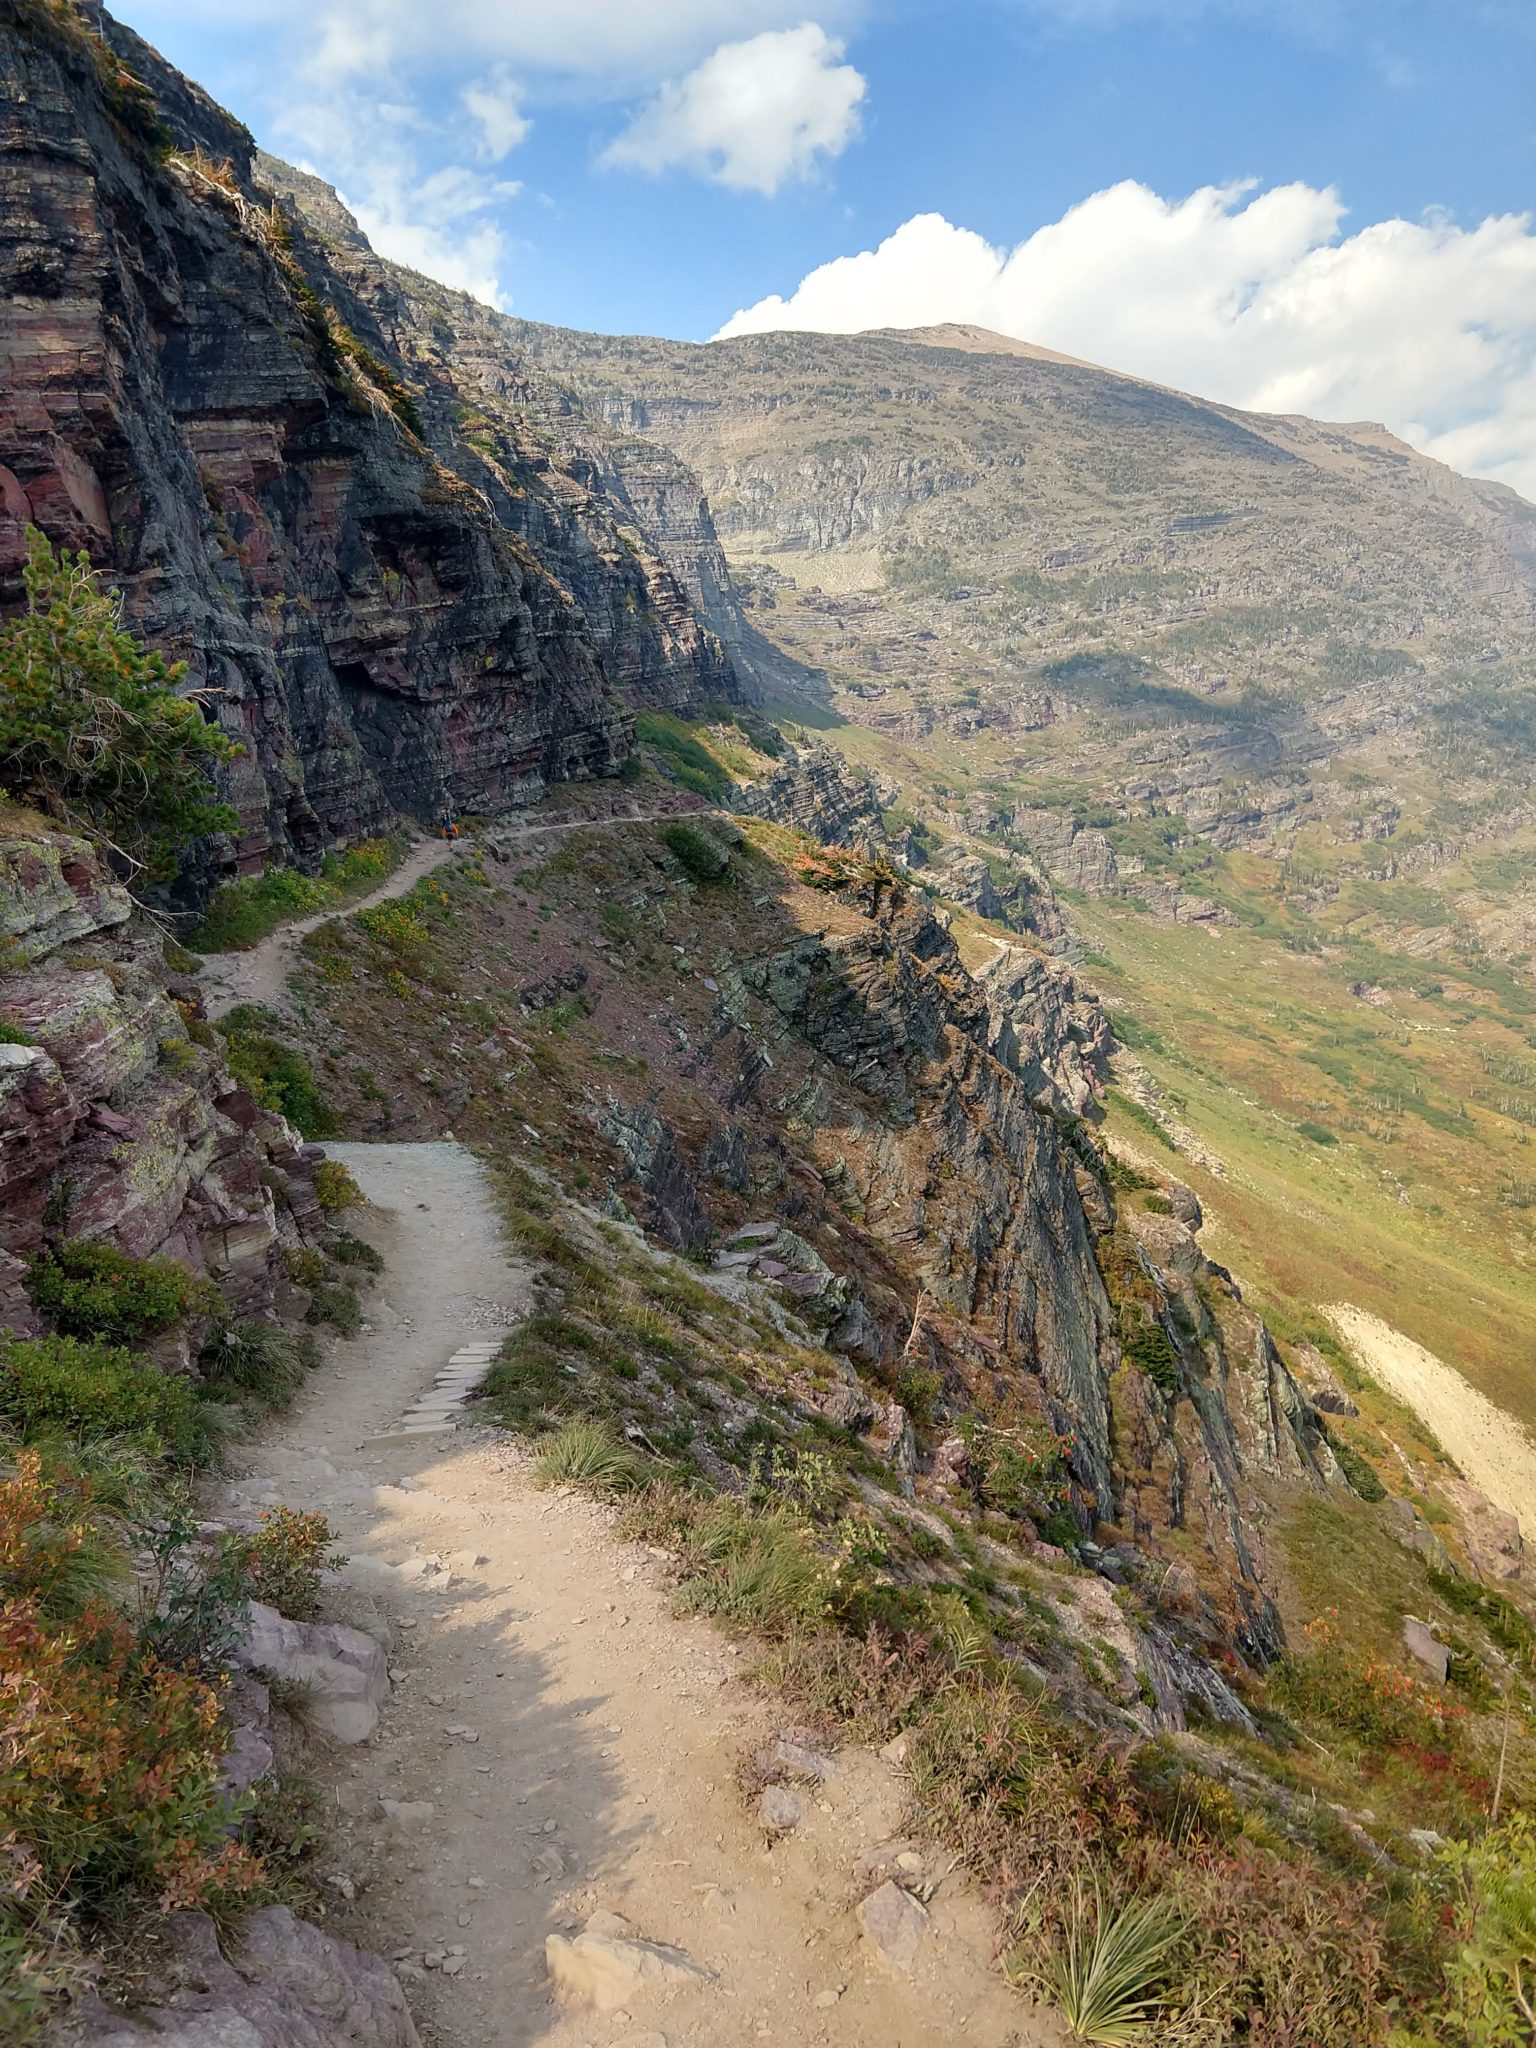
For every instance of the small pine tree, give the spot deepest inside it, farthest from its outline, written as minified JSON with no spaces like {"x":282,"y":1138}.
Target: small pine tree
{"x":92,"y":730}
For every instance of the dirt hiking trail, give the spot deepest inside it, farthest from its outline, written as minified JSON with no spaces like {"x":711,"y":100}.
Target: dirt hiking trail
{"x":261,"y":974}
{"x":1490,"y":1446}
{"x":559,"y":1742}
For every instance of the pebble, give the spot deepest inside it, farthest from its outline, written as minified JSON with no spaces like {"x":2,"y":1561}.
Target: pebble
{"x":452,"y":1966}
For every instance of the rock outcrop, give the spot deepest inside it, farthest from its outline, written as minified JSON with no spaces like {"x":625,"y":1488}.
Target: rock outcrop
{"x":285,"y":1985}
{"x":1048,"y":1028}
{"x":815,"y":790}
{"x":114,"y":1122}
{"x":951,"y":1164}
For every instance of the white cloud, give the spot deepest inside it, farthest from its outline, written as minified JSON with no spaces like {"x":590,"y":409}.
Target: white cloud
{"x":494,"y":104}
{"x":1254,"y":300}
{"x":624,"y":44}
{"x":435,"y":221}
{"x":753,"y":115}
{"x":436,"y":225}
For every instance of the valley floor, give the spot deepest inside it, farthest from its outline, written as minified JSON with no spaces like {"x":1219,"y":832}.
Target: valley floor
{"x":562,"y":1741}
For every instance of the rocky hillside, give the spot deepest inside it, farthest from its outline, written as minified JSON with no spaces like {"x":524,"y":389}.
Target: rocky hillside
{"x":1255,"y":697}
{"x":1061,"y":571}
{"x":240,"y":419}
{"x":116,"y":1124}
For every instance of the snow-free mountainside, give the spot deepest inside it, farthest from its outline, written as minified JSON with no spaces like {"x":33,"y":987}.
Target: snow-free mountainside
{"x":763,"y":1186}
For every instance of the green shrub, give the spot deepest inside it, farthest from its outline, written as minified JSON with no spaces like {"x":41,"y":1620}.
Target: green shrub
{"x":242,"y":912}
{"x":281,"y":1562}
{"x":12,"y":1034}
{"x":919,"y":1389}
{"x":91,"y":1289}
{"x":1503,"y":1620}
{"x":99,"y":1390}
{"x":109,"y":1773}
{"x":57,"y":1548}
{"x":336,"y":1189}
{"x":277,"y":1075}
{"x":305,"y":1266}
{"x":1316,"y":1134}
{"x":698,"y":854}
{"x":337,"y":1306}
{"x":398,"y":929}
{"x":348,"y":1250}
{"x":92,"y":727}
{"x":1358,"y":1470}
{"x":1120,"y":1175}
{"x":1491,"y":1896}
{"x":1147,"y":1345}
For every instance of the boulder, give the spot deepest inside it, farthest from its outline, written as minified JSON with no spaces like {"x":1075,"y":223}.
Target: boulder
{"x":248,"y":1759}
{"x":779,"y":1810}
{"x":892,"y":1439}
{"x":849,"y":1406}
{"x":344,"y":1673}
{"x":951,"y":1463}
{"x":285,"y":1985}
{"x":1491,"y":1536}
{"x":894,"y":1924}
{"x":795,"y":1756}
{"x":607,"y":1969}
{"x":1185,"y":1204}
{"x":1419,"y":1642}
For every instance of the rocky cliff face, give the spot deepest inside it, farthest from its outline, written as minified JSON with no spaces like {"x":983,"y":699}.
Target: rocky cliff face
{"x":202,"y":393}
{"x":114,"y":1123}
{"x":1026,"y":1278}
{"x":814,"y":790}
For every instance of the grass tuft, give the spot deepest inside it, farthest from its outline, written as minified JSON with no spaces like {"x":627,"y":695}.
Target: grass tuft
{"x":1108,"y":1973}
{"x":589,"y":1455}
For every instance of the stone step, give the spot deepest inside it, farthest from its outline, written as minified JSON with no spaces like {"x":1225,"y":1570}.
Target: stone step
{"x":439,"y":1408}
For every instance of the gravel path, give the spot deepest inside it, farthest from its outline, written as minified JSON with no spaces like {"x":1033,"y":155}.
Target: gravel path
{"x":1491,"y":1448}
{"x":261,"y":974}
{"x":568,"y":1743}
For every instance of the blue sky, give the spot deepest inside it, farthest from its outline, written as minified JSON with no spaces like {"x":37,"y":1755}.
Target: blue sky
{"x":667,"y":166}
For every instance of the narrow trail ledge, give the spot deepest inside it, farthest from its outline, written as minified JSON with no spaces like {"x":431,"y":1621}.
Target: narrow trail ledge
{"x":261,"y":974}
{"x":559,"y":1743}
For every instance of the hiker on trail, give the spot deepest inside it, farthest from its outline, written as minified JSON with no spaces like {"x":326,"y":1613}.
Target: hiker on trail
{"x":450,"y":823}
